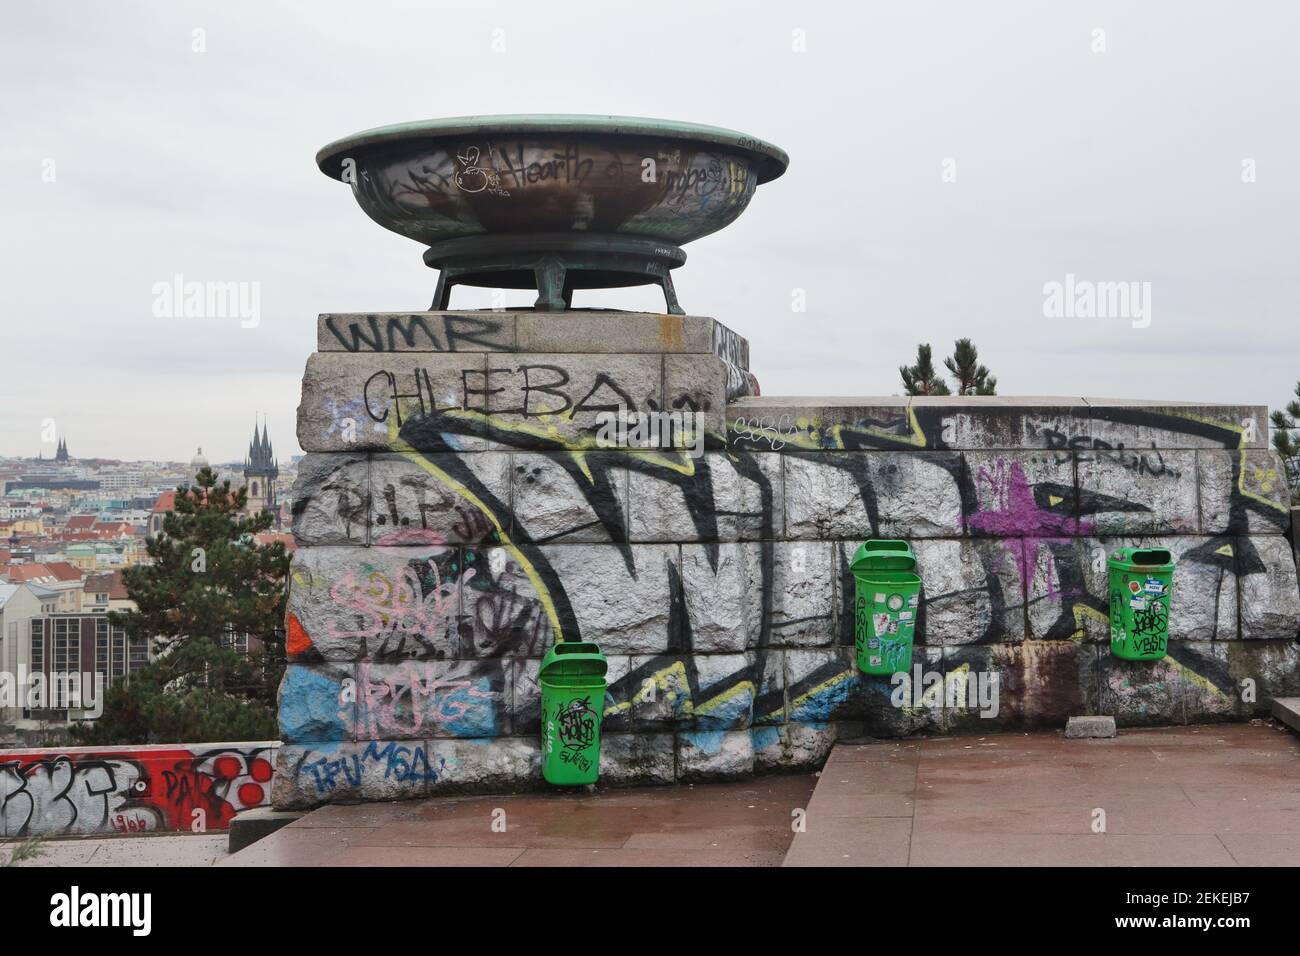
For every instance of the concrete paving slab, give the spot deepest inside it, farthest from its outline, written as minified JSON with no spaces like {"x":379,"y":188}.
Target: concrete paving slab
{"x":746,"y":823}
{"x":189,"y":849}
{"x":1255,"y":849}
{"x":1186,"y":796}
{"x":646,"y":857}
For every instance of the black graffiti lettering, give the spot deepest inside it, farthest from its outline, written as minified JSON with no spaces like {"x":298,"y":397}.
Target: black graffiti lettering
{"x":566,"y":164}
{"x":484,"y":392}
{"x":365,"y":394}
{"x":1152,"y":620}
{"x":576,"y":724}
{"x":472,"y":525}
{"x":373,"y":344}
{"x":473,"y":331}
{"x":416,"y":330}
{"x":406,"y":326}
{"x":551,"y":388}
{"x":603,"y":380}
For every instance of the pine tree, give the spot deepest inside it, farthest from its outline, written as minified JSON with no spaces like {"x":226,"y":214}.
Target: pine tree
{"x":1285,"y":443}
{"x":209,"y":578}
{"x":972,"y":378}
{"x":921,"y":378}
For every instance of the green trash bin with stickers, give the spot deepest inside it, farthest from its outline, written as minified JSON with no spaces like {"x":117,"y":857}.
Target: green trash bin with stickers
{"x":572,"y":680}
{"x":1141,"y":587}
{"x":886,"y":602}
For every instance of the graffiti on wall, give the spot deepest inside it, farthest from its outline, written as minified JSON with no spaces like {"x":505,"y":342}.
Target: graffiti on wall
{"x":1029,"y":522}
{"x":135,"y":790}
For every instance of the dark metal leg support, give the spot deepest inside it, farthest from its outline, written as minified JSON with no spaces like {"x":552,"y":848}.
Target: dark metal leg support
{"x":550,"y":285}
{"x":670,"y":294}
{"x":442,"y":294}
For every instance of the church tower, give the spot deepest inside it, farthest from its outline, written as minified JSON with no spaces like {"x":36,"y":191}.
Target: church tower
{"x":260,"y":472}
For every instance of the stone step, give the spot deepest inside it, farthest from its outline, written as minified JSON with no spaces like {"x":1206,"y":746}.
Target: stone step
{"x":252,"y":825}
{"x":1287,"y":710}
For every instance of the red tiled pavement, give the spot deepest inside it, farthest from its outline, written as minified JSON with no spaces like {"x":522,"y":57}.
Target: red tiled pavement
{"x":1209,"y":795}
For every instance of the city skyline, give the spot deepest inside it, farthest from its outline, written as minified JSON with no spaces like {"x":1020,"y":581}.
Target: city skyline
{"x":43,"y":454}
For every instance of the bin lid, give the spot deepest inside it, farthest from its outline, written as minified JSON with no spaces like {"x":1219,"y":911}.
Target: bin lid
{"x":885,"y":544}
{"x":1142,"y":559}
{"x":574,"y":658}
{"x":883,"y":554}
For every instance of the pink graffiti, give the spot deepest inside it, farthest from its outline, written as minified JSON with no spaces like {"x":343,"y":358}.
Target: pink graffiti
{"x":406,"y":537}
{"x":1014,"y":515}
{"x":409,"y":698}
{"x":387,"y":607}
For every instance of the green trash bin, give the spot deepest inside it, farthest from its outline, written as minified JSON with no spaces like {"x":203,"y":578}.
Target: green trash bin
{"x":886,"y":603}
{"x":1141,"y":585}
{"x":572,"y":679}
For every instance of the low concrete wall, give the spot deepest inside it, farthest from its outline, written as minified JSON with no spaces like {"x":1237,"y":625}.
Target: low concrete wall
{"x":85,"y":791}
{"x":456,"y":515}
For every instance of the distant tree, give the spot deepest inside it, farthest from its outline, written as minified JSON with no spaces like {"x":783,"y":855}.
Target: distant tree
{"x":1285,"y":423}
{"x":921,"y":378}
{"x":972,"y":378}
{"x":209,"y":579}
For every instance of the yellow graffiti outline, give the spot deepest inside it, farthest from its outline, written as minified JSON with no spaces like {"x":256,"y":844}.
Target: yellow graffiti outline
{"x":660,"y":677}
{"x":577,"y":448}
{"x":714,"y":702}
{"x":1241,"y":450}
{"x":1202,"y":682}
{"x":808,"y":440}
{"x":404,"y":448}
{"x":846,"y":674}
{"x":1082,"y":611}
{"x":678,"y":669}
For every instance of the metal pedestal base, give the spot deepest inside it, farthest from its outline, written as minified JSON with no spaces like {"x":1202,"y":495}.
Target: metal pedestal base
{"x":555,"y":264}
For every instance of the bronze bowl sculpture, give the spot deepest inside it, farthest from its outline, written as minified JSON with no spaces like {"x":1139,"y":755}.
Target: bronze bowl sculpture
{"x":555,"y":203}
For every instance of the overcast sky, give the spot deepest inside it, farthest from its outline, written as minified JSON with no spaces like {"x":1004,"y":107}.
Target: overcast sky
{"x":1119,"y":166}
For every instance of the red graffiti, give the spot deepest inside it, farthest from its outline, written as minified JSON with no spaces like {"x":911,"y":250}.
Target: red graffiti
{"x":135,"y":790}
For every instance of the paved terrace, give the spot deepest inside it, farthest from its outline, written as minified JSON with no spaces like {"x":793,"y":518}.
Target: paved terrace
{"x":1210,"y":795}
{"x":1225,"y":794}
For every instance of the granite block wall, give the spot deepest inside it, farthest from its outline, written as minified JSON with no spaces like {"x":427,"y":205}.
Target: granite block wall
{"x":457,"y":512}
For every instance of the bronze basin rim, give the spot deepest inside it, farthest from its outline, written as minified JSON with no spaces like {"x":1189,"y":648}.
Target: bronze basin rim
{"x":770,"y":161}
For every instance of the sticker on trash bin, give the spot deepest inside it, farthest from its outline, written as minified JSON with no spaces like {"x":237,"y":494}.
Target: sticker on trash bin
{"x":1154,"y":586}
{"x":1138,"y":604}
{"x":904,"y":615}
{"x":914,"y":600}
{"x":895,"y":601}
{"x":880,"y":598}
